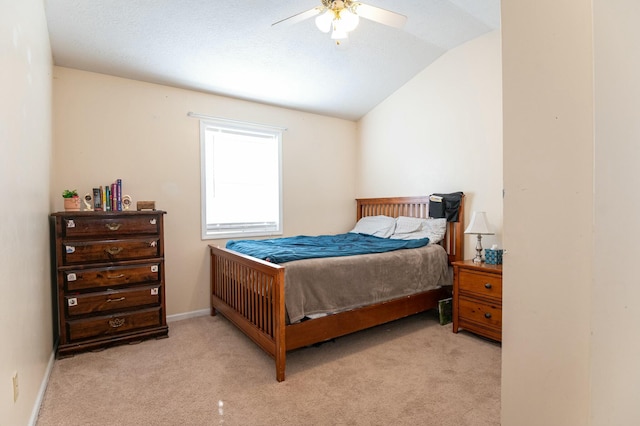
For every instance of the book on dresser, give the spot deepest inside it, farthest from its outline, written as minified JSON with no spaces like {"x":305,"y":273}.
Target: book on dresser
{"x":109,"y":276}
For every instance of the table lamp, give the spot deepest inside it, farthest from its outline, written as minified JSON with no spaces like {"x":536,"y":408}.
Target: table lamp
{"x":479,"y":227}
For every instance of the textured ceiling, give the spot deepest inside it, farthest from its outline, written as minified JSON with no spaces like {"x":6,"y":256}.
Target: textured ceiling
{"x":230,"y":48}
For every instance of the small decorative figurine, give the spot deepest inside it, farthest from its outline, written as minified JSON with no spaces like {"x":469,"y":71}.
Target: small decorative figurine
{"x":88,"y":202}
{"x":126,"y":202}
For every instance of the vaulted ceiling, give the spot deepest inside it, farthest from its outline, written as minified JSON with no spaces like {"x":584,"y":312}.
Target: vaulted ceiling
{"x":230,"y":48}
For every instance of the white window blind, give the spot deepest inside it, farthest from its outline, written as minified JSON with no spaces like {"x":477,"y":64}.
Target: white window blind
{"x":241,"y":179}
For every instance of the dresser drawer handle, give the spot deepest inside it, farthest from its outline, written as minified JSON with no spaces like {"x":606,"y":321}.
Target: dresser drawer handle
{"x":113,"y":226}
{"x":116,"y":322}
{"x":113,"y":250}
{"x":120,"y":299}
{"x":487,"y":285}
{"x":115,"y":277}
{"x":487,"y":315}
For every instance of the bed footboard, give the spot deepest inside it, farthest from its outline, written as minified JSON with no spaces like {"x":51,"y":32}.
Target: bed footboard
{"x":249,"y":292}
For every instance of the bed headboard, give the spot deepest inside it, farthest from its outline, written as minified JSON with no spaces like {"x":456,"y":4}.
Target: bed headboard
{"x":453,"y":241}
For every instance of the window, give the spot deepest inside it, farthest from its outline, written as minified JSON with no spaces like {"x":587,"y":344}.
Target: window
{"x":241,"y":179}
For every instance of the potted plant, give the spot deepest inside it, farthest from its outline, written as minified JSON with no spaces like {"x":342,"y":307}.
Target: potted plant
{"x":71,"y":200}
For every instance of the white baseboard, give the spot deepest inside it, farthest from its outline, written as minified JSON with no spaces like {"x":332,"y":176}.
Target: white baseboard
{"x":43,"y":387}
{"x":187,"y":315}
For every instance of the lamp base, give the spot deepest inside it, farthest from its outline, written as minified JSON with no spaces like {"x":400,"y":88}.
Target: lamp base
{"x":478,"y":258}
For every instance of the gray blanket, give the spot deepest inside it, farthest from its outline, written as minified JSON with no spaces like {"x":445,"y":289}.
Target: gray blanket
{"x":329,"y":285}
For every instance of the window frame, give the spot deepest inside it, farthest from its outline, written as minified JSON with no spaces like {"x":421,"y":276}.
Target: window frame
{"x":247,"y":230}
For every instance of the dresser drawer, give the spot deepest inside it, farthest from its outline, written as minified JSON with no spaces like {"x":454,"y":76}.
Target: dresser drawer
{"x":96,"y":278}
{"x":113,"y":324}
{"x":480,"y":283}
{"x":108,"y":301}
{"x":77,"y":252}
{"x":479,"y":312}
{"x":98,"y":225}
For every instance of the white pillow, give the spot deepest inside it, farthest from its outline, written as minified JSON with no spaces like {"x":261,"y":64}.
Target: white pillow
{"x":378,"y":226}
{"x":434,"y":229}
{"x":405,"y":224}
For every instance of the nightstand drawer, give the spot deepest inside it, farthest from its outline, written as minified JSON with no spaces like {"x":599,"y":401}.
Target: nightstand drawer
{"x":481,"y":313}
{"x":482,"y":284}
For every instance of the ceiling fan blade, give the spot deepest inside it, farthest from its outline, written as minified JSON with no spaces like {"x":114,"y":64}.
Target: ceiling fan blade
{"x":380,"y":15}
{"x":300,"y":16}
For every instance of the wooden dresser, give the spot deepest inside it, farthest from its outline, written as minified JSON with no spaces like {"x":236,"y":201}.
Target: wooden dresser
{"x":110,"y":278}
{"x":477,"y":298}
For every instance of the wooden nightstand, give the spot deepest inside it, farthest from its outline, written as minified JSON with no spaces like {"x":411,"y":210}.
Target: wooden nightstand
{"x":477,"y":298}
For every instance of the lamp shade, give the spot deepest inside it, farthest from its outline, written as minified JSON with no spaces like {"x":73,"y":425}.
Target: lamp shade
{"x":479,"y":224}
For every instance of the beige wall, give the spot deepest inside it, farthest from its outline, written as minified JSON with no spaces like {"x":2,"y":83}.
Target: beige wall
{"x":25,"y":157}
{"x":571,"y":310}
{"x":548,"y":212}
{"x":615,"y":312}
{"x":441,"y":132}
{"x":107,"y":128}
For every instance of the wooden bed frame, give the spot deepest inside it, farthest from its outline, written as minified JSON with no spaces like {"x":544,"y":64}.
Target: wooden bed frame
{"x":249,"y":292}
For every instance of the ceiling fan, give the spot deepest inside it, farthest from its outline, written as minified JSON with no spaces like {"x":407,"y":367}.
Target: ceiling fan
{"x":342,"y":16}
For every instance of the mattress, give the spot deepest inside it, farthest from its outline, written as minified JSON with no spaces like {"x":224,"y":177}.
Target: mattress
{"x":323,"y":286}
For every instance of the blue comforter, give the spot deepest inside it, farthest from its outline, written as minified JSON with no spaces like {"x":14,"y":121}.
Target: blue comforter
{"x":279,"y":250}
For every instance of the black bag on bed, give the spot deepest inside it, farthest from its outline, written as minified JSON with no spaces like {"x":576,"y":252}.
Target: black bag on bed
{"x":445,"y":205}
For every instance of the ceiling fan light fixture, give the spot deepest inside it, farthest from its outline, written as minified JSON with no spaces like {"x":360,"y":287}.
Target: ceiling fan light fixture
{"x":324,"y":21}
{"x":348,"y":20}
{"x":343,"y":16}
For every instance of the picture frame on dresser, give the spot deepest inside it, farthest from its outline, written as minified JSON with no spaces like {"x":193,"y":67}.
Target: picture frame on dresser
{"x":108,"y":272}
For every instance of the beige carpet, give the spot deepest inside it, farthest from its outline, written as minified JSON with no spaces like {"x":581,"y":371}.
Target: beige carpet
{"x":410,"y":372}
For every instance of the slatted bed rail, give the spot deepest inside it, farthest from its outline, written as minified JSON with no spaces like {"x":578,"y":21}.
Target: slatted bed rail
{"x":250,"y":293}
